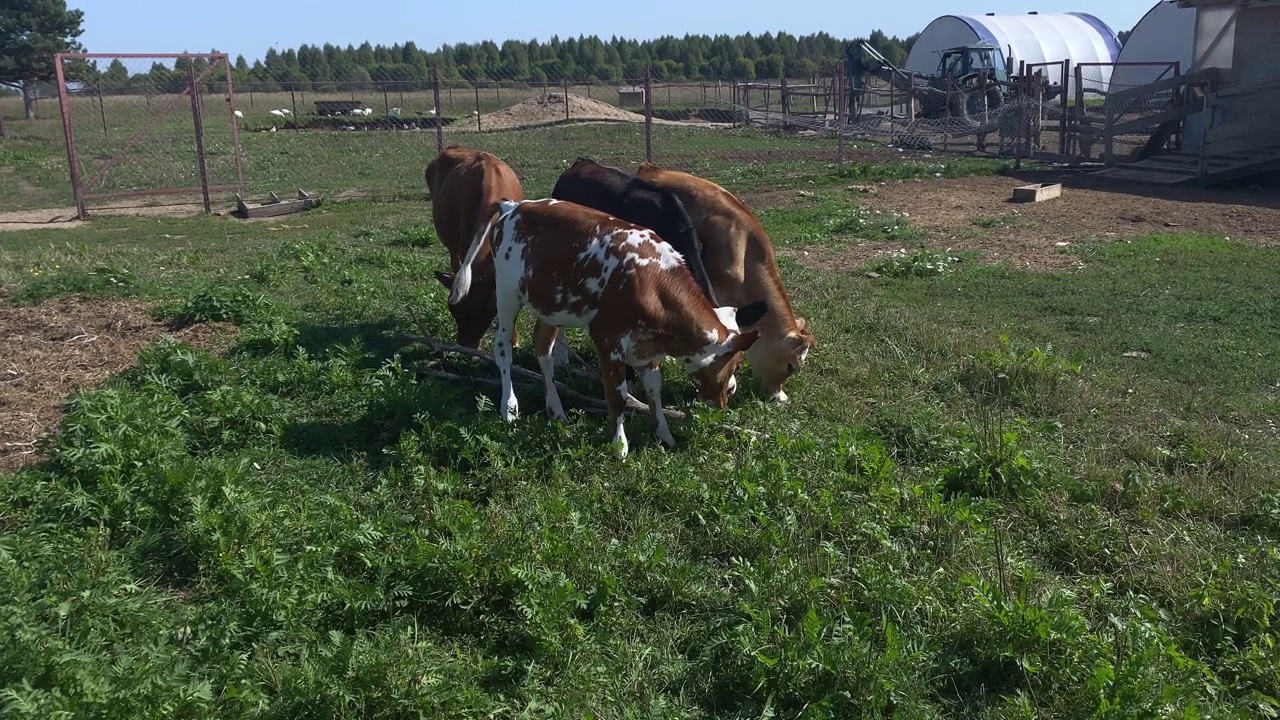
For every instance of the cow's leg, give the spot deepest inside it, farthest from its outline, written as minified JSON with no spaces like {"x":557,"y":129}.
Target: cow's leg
{"x":560,"y":351}
{"x":627,"y":379}
{"x":651,"y":377}
{"x":508,"y":309}
{"x":515,"y":332}
{"x":613,"y":378}
{"x":544,"y":342}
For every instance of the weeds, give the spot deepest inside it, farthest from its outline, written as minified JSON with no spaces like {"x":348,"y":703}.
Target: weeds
{"x":918,"y":169}
{"x":1009,"y":219}
{"x":307,"y":526}
{"x":234,"y":304}
{"x":1020,"y":375}
{"x":920,"y":263}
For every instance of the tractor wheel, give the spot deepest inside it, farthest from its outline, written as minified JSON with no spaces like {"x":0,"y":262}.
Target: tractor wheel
{"x":994,"y":99}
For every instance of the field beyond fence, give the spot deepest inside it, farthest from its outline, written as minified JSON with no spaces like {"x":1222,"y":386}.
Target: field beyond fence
{"x":146,"y":140}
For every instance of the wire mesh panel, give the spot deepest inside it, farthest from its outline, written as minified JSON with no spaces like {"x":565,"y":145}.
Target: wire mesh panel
{"x":139,"y":126}
{"x":346,"y":131}
{"x":1121,"y":96}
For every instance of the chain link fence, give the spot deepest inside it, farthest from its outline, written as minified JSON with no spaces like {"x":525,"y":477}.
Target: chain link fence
{"x":150,"y":125}
{"x":1110,"y":104}
{"x":135,"y":127}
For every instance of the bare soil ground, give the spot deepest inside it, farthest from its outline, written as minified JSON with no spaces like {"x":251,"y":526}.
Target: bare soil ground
{"x":65,"y":217}
{"x":978,"y":214}
{"x":58,"y":347}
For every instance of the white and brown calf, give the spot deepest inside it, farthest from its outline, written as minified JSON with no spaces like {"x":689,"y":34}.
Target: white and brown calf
{"x":632,"y":292}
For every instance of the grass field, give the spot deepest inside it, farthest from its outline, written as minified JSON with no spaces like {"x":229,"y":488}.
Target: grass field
{"x":33,"y":162}
{"x":995,"y":493}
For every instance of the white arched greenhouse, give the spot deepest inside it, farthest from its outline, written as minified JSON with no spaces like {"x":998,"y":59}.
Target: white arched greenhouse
{"x":1165,"y":34}
{"x":1030,"y":38}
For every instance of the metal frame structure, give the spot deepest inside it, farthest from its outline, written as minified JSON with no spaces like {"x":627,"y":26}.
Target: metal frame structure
{"x":79,"y":184}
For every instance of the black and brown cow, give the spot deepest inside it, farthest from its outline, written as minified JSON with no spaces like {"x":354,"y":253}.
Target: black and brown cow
{"x":739,"y":259}
{"x":619,"y":193}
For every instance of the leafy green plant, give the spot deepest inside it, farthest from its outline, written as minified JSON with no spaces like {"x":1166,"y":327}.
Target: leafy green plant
{"x":920,"y":263}
{"x":1020,"y":375}
{"x":224,"y":303}
{"x":851,"y":220}
{"x":47,"y":281}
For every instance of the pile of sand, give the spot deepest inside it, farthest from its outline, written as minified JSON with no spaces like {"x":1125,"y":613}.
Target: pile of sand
{"x":550,"y":108}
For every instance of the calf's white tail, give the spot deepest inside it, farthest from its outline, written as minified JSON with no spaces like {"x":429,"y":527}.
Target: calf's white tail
{"x":462,"y":281}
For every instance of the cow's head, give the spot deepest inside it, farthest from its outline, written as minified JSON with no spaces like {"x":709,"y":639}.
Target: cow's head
{"x":473,"y":314}
{"x":712,"y":369}
{"x":774,"y":361}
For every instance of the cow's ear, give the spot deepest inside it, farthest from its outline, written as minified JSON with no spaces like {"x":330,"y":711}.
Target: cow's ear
{"x":751,"y":313}
{"x":446,"y":279}
{"x":743,"y":341}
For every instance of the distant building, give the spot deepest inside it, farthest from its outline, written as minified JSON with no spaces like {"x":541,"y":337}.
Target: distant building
{"x":630,"y":96}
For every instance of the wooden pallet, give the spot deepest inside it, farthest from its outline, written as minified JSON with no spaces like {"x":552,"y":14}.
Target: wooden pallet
{"x":274,"y":206}
{"x":1182,"y":169}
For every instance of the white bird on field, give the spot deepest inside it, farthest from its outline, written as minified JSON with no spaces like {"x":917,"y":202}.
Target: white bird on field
{"x":394,"y":112}
{"x":239,"y":114}
{"x":368,"y":111}
{"x":286,"y":111}
{"x":277,"y":113}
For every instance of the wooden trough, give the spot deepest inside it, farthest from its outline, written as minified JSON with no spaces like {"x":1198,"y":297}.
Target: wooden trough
{"x":274,"y":206}
{"x":1039,"y":192}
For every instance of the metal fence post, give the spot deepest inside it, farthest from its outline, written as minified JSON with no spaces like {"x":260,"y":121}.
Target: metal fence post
{"x":476,"y":84}
{"x":435,"y":91}
{"x":235,"y":127}
{"x":566,"y":98}
{"x":73,"y":162}
{"x":194,"y":89}
{"x":648,"y":114}
{"x":1062,"y":120}
{"x":840,"y":110}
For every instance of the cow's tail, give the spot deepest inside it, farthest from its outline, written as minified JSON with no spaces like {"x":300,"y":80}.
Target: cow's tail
{"x":462,"y":281}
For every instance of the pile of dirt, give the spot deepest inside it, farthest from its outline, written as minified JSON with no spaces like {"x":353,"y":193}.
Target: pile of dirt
{"x":57,"y":347}
{"x":550,"y":108}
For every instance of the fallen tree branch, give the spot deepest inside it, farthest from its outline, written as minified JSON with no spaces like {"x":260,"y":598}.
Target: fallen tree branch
{"x":594,"y":406}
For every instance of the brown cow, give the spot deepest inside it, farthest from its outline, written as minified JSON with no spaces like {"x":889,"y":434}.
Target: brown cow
{"x":633,"y":293}
{"x":739,"y":259}
{"x":465,"y":186}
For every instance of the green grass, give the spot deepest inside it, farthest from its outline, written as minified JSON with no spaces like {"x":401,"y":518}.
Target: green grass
{"x":974,"y":505}
{"x":1009,"y":219}
{"x":389,"y":164}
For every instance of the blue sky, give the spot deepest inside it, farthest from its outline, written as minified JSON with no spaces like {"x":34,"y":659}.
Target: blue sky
{"x":250,"y":27}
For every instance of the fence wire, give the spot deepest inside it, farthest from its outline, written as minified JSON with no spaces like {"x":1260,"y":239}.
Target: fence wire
{"x":353,"y":133}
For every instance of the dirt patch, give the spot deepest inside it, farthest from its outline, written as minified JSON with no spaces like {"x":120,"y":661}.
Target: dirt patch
{"x":57,"y":218}
{"x":977,"y":214}
{"x":550,"y":108}
{"x":60,"y":346}
{"x":25,"y":188}
{"x":65,"y":217}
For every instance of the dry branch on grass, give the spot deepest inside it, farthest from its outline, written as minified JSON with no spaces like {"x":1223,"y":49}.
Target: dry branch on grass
{"x":590,"y":405}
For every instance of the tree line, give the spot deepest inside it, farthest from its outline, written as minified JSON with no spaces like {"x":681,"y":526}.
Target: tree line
{"x":318,"y":68}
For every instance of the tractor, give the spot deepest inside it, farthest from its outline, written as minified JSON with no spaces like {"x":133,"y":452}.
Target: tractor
{"x":964,"y":75}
